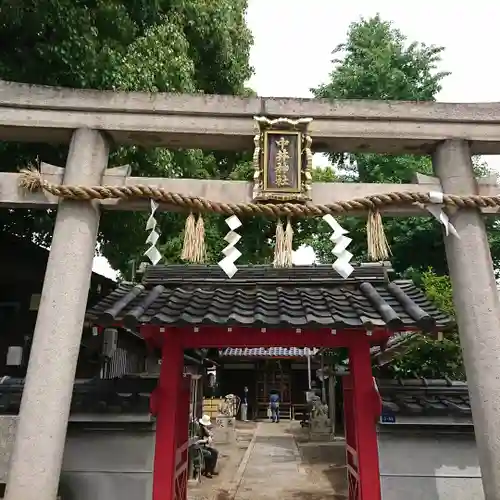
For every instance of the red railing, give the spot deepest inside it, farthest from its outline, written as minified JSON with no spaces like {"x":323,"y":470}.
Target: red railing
{"x":352,"y":473}
{"x":181,"y":472}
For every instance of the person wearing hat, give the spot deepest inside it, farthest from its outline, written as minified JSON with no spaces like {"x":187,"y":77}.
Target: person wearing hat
{"x":210,"y":454}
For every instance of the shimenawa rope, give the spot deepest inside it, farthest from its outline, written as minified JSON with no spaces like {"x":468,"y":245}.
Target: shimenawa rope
{"x":32,"y":180}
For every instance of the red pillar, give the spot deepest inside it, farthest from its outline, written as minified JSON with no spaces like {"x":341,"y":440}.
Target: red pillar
{"x":363,"y":394}
{"x":350,"y":438}
{"x":182,"y":436}
{"x":166,"y":407}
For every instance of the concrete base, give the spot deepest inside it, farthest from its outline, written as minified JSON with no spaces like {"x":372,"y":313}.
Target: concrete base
{"x":321,"y":437}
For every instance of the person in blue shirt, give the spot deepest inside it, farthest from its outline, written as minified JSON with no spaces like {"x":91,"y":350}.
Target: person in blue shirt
{"x":274,"y":405}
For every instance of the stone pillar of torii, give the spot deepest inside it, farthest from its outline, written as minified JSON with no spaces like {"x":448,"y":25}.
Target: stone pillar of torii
{"x":37,"y":457}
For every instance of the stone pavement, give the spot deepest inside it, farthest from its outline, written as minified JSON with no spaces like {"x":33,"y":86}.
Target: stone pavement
{"x":274,"y":469}
{"x":231,"y":456}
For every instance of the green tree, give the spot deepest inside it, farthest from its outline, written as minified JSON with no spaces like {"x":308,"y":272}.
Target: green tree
{"x":149,"y":45}
{"x":376,"y":62}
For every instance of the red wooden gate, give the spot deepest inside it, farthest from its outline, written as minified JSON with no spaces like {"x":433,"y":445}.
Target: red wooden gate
{"x":182,"y":435}
{"x":171,"y":405}
{"x":350,"y":439}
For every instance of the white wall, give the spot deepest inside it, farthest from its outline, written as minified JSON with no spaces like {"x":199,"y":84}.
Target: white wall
{"x":425,"y":466}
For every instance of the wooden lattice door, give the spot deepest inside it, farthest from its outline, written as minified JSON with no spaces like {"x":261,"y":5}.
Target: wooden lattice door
{"x":273,"y":376}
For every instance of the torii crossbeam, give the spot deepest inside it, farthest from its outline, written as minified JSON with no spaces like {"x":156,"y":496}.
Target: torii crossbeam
{"x":35,"y":114}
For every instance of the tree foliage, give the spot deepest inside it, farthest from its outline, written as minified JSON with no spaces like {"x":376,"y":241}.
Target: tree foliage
{"x":149,"y":45}
{"x":427,"y":356}
{"x":376,"y":62}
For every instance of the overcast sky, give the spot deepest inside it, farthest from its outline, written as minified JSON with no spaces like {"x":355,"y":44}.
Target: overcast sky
{"x":308,"y":31}
{"x":303,"y":34}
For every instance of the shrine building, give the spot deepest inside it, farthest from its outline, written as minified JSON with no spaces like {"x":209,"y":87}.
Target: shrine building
{"x":191,"y":307}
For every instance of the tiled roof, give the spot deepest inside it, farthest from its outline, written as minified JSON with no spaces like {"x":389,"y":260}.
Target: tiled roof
{"x":397,"y":343}
{"x":313,"y":296}
{"x":394,"y":340}
{"x":121,"y":395}
{"x":420,"y":397}
{"x":267,"y":352}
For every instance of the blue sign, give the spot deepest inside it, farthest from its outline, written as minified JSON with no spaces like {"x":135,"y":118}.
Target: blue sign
{"x":387,"y":418}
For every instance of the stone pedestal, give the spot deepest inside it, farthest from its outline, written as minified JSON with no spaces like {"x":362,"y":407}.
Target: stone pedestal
{"x":225,"y":429}
{"x":320,"y":428}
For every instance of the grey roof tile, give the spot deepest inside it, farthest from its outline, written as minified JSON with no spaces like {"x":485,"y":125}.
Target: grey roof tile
{"x":421,"y":397}
{"x":266,"y":352}
{"x":311,"y":296}
{"x":126,"y":394}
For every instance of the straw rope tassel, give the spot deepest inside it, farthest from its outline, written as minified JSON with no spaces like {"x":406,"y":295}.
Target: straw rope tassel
{"x":199,"y":250}
{"x":288,"y":245}
{"x":279,"y":247}
{"x":189,"y":238}
{"x":378,"y":246}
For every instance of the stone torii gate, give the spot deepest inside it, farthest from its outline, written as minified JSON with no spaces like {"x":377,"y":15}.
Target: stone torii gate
{"x":89,"y":120}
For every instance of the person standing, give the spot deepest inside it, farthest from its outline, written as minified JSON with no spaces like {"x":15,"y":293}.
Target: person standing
{"x":244,"y":405}
{"x":274,"y":405}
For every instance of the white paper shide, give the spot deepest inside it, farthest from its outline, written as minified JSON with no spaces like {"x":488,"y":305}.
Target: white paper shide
{"x":231,"y":253}
{"x":436,"y":210}
{"x":152,"y":252}
{"x":341,"y":241}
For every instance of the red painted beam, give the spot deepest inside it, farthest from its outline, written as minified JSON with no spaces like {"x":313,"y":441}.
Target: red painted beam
{"x":217,"y":336}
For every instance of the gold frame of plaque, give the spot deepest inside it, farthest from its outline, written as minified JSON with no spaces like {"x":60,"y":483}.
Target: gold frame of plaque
{"x":282,"y":160}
